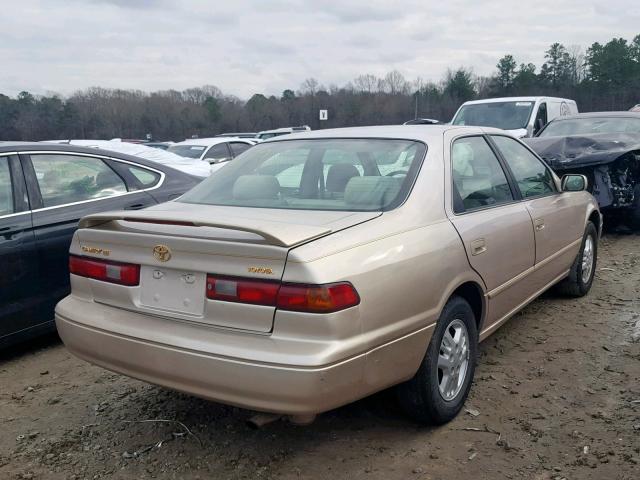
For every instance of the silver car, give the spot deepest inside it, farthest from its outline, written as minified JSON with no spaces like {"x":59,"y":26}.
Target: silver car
{"x":315,"y":270}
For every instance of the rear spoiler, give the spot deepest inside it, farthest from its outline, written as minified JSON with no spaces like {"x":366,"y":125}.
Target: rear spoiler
{"x":274,"y":233}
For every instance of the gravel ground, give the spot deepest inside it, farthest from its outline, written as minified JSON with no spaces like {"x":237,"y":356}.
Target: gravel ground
{"x":557,"y":395}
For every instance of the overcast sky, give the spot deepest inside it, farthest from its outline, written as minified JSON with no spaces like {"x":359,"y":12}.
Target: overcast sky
{"x":249,"y":46}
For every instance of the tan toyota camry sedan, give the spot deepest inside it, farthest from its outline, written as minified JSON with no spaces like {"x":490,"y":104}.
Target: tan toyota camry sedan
{"x":316,"y":269}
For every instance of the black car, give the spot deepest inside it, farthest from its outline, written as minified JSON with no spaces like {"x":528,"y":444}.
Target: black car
{"x":44,"y":190}
{"x":603,"y":146}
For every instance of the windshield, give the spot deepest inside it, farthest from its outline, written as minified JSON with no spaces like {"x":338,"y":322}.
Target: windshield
{"x":188,"y":151}
{"x":323,"y":174}
{"x":505,"y":115}
{"x":590,"y":125}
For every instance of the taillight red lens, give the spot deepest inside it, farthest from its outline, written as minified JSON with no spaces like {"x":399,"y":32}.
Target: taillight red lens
{"x":233,"y":289}
{"x":287,"y":296}
{"x":317,"y":298}
{"x":127,"y":274}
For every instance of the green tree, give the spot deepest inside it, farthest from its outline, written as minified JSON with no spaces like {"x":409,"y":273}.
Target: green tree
{"x":212,"y":106}
{"x":558,"y":67}
{"x":506,"y":71}
{"x":459,"y":85}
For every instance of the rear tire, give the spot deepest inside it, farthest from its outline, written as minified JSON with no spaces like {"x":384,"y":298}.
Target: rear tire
{"x":439,"y":389}
{"x":580,"y":278}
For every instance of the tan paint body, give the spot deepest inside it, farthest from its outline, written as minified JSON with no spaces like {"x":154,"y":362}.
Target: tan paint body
{"x":405,"y":265}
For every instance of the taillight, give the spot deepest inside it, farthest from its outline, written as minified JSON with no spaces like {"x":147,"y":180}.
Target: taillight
{"x":127,"y":274}
{"x":317,"y":298}
{"x":287,"y":296}
{"x":233,"y":289}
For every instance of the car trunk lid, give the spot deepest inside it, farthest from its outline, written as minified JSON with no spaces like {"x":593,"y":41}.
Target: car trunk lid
{"x":177,"y":245}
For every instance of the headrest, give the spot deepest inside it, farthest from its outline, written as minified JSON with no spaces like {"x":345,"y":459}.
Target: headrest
{"x":371,"y":192}
{"x":250,"y":187}
{"x":339,"y":175}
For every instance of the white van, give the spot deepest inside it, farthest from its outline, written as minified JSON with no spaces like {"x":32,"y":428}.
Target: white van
{"x":520,"y":116}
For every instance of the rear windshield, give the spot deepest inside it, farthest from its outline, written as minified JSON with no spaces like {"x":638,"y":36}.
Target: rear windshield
{"x":318,"y":174}
{"x":188,"y":151}
{"x":590,"y":125}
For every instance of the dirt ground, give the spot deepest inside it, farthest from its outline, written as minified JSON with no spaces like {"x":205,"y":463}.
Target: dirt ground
{"x":556,"y":395}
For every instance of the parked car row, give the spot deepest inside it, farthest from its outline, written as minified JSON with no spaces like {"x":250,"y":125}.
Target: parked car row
{"x":307,"y":273}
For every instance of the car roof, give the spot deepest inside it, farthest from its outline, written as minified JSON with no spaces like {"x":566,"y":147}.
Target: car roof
{"x":515,"y":99}
{"x":18,"y":147}
{"x":422,"y":133}
{"x":210,"y":141}
{"x":621,"y":114}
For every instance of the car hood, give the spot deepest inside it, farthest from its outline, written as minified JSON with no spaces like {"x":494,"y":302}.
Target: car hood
{"x":583,"y":150}
{"x":278,"y":227}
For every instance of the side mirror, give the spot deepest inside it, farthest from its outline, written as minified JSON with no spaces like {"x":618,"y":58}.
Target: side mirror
{"x":574,"y":183}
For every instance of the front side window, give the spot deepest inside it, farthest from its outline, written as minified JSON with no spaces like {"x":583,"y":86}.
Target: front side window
{"x":541,"y":118}
{"x":316,"y":174}
{"x":6,"y":192}
{"x":532,"y":176}
{"x":67,"y":179}
{"x":478,"y":178}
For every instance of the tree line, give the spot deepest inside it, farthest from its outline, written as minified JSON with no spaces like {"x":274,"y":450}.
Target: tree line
{"x":604,"y":77}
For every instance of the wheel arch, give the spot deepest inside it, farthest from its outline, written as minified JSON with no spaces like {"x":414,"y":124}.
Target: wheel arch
{"x":596,"y":217}
{"x":473,"y":293}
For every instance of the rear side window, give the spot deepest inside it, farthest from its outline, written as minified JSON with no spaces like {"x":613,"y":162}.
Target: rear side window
{"x":146,"y":177}
{"x":6,"y":192}
{"x":532,"y":176}
{"x":478,"y":178}
{"x":67,"y":179}
{"x":316,"y":174}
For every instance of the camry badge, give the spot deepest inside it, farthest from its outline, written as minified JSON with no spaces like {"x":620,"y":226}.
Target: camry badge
{"x":162,"y":253}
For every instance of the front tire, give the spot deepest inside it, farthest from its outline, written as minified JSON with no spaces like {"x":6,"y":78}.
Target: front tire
{"x":580,"y":278}
{"x":439,"y":389}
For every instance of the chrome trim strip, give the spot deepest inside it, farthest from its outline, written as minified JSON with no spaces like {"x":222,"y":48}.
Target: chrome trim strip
{"x":98,"y":156}
{"x":2,"y":217}
{"x":485,"y":333}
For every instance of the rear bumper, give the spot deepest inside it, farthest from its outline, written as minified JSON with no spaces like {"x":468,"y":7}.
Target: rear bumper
{"x":263,"y":387}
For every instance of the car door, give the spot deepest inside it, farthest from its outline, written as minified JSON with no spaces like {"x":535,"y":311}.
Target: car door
{"x":493,"y":224}
{"x":557,"y":217}
{"x":19,"y":288}
{"x":218,"y":153}
{"x":64,"y":187}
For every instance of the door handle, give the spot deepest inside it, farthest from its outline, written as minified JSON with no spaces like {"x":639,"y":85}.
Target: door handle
{"x":539,"y":224}
{"x":478,"y":246}
{"x":135,"y":206}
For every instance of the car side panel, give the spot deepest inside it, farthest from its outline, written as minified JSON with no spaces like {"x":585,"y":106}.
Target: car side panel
{"x":403,"y":281}
{"x":19,"y":289}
